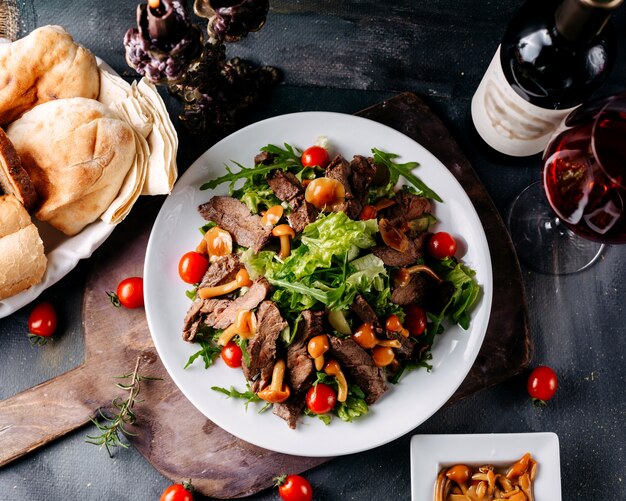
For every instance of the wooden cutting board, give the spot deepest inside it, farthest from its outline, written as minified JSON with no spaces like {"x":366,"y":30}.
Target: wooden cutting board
{"x":219,"y":464}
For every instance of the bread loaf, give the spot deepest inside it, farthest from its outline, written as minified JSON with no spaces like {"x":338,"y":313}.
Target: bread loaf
{"x":22,"y":258}
{"x":14,"y":180}
{"x":77,"y":154}
{"x":45,"y":65}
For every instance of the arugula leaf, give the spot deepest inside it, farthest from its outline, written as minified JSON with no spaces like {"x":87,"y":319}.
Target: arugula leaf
{"x":285,"y":158}
{"x":208,"y":351}
{"x":354,"y":406}
{"x":324,"y":418}
{"x":410,"y":366}
{"x":405,"y":170}
{"x":249,"y":396}
{"x":243,"y":344}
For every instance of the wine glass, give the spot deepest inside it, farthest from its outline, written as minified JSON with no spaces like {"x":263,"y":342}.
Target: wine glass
{"x":559,"y":225}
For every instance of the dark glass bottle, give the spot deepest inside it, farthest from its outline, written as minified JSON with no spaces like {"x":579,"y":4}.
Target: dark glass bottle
{"x":553,"y":56}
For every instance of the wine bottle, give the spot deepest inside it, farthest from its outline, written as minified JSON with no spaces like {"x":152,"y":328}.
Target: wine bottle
{"x":553,"y":56}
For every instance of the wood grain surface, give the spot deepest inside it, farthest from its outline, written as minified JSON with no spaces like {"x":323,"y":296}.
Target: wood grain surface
{"x":176,"y":438}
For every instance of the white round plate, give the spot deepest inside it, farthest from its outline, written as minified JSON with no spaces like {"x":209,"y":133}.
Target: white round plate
{"x":406,"y":405}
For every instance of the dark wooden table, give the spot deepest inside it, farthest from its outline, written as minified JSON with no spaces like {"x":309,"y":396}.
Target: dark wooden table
{"x":344,"y":56}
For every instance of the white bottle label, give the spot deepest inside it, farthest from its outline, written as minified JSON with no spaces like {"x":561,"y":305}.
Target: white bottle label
{"x":507,"y":122}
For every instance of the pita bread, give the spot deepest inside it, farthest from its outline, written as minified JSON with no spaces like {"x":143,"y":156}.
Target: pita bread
{"x":14,"y":180}
{"x":154,"y":171}
{"x":77,"y":153}
{"x":22,"y":259}
{"x":43,"y":66}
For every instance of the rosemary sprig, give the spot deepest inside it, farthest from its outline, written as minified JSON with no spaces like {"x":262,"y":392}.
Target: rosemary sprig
{"x":112,"y":428}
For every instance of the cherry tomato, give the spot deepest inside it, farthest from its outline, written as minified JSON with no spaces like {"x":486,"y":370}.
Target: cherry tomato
{"x":42,"y":323}
{"x":177,"y":492}
{"x":415,"y":319}
{"x":294,"y":488}
{"x":231,"y":355}
{"x":129,"y":293}
{"x":441,"y":245}
{"x":192,"y":267}
{"x":542,"y":383}
{"x":315,"y":156}
{"x":321,"y":398}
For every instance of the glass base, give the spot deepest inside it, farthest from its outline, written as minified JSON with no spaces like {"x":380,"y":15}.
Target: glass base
{"x":543,"y":243}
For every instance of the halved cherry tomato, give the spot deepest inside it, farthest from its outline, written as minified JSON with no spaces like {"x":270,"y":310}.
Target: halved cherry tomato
{"x":415,"y":319}
{"x":321,"y":398}
{"x":231,"y":355}
{"x":315,"y":156}
{"x":129,"y":293}
{"x":542,"y":384}
{"x":442,"y":245}
{"x":42,"y":323}
{"x":177,"y":492}
{"x":294,"y":488}
{"x":192,"y":267}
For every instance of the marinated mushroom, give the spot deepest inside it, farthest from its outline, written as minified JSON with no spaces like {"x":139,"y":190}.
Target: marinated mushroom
{"x":464,"y":483}
{"x":365,"y":337}
{"x":316,"y":347}
{"x":219,"y":243}
{"x":332,"y":368}
{"x":241,"y":280}
{"x":402,"y":276}
{"x":276,"y":392}
{"x":325,"y":193}
{"x":394,"y":324}
{"x":244,"y":326}
{"x":285,"y":233}
{"x":393,"y":237}
{"x":272,"y":215}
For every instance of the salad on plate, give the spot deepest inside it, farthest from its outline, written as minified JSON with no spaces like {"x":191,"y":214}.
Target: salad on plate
{"x":322,"y":279}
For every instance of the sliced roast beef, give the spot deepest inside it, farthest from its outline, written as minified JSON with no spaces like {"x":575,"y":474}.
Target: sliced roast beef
{"x":262,"y":347}
{"x":301,"y":370}
{"x":302,"y":215}
{"x":407,"y":207}
{"x":299,"y":364}
{"x":359,"y":367}
{"x":365,"y":312}
{"x":290,"y":410}
{"x":363,"y":172}
{"x":392,"y":257}
{"x":264,"y":158}
{"x":339,"y":169}
{"x":285,"y":186}
{"x":415,"y":291}
{"x":232,"y":215}
{"x":407,"y":346}
{"x":224,"y":314}
{"x":193,"y":320}
{"x":221,"y":271}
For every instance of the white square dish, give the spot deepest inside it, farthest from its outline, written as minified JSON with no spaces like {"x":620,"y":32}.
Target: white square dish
{"x":430,"y":453}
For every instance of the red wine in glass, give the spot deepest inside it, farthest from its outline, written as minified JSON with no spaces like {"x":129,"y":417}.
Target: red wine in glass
{"x":560,"y":225}
{"x":584,"y":176}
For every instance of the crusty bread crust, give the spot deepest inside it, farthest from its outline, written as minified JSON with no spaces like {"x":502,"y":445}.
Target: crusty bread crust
{"x":22,"y":259}
{"x":14,"y":180}
{"x":77,"y":153}
{"x":45,"y":65}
